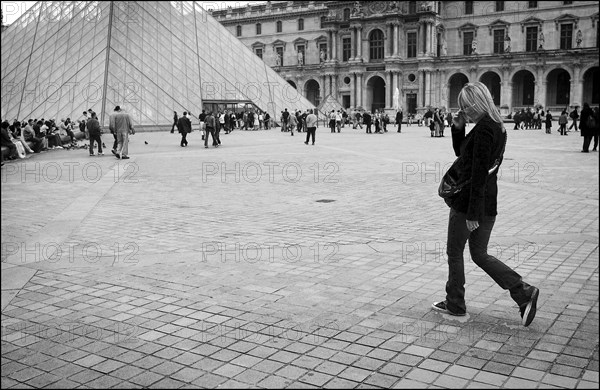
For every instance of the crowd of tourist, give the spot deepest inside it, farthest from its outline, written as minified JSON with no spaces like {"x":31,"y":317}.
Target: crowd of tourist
{"x":38,"y":135}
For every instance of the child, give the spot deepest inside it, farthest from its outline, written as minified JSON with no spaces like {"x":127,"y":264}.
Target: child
{"x":548,"y":122}
{"x":562,"y":121}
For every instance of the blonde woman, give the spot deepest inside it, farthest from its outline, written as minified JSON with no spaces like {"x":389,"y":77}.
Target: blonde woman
{"x":473,"y":211}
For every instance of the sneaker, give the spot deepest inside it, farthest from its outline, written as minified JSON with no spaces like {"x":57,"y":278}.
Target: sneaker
{"x":306,"y":143}
{"x":529,"y":309}
{"x":100,"y":154}
{"x":441,"y":306}
{"x":91,"y":154}
{"x":124,"y":157}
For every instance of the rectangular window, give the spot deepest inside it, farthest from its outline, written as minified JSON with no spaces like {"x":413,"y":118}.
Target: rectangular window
{"x":346,"y":49}
{"x":467,"y":42}
{"x":499,"y":41}
{"x":468,"y":7}
{"x":238,"y":31}
{"x":412,"y":7}
{"x":279,"y":51}
{"x":300,"y":24}
{"x":258,"y":29}
{"x":278,"y":27}
{"x":531,"y":37}
{"x":499,"y":6}
{"x":566,"y":36}
{"x":411,"y":44}
{"x":259,"y":53}
{"x":532,"y":4}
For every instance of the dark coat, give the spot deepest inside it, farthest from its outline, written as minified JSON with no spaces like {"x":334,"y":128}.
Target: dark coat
{"x":585,"y":130}
{"x":184,"y":125}
{"x":399,"y":117}
{"x":478,"y":150}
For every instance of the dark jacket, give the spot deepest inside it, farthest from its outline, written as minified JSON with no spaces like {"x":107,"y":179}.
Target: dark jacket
{"x":184,"y":125}
{"x":399,"y":117}
{"x":478,"y":150}
{"x":93,"y":126}
{"x":585,"y":130}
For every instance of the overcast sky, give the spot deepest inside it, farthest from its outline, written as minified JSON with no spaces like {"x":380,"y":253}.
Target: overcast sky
{"x":11,"y":10}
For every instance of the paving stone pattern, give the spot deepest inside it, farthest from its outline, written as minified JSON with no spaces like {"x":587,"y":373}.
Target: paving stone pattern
{"x":192,"y":267}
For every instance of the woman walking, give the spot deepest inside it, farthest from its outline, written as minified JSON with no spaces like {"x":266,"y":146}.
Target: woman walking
{"x":473,"y":210}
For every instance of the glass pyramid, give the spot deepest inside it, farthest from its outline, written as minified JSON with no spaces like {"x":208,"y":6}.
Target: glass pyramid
{"x":151,"y":58}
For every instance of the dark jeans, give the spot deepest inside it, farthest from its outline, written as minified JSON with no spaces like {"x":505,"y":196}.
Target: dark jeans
{"x":574,"y":124}
{"x":399,"y":127}
{"x":368,"y":128}
{"x":216,"y":136}
{"x":173,"y":127}
{"x":211,"y":131}
{"x":116,"y":142}
{"x":595,"y":141}
{"x":183,"y":140}
{"x":504,"y":276}
{"x":95,"y":137}
{"x":37,"y":144}
{"x":310,"y":132}
{"x":586,"y":142}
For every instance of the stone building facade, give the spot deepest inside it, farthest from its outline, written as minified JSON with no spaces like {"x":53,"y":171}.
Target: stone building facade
{"x":416,"y":54}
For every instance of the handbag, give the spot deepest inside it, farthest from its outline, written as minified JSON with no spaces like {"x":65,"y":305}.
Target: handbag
{"x":451,"y":184}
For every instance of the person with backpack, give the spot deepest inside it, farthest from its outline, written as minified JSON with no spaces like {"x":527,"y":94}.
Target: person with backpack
{"x":587,"y":126}
{"x":574,"y":115}
{"x":562,"y":123}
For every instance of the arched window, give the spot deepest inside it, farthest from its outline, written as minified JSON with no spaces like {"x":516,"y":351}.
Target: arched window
{"x":346,"y":13}
{"x":300,"y":24}
{"x":258,"y":28}
{"x":376,"y":45}
{"x":278,"y":26}
{"x":238,"y":31}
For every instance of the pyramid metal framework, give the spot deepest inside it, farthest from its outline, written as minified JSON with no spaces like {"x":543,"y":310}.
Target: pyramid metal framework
{"x":151,"y":58}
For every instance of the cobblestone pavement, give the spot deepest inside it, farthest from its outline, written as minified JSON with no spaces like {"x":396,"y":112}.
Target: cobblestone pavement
{"x":269,"y":263}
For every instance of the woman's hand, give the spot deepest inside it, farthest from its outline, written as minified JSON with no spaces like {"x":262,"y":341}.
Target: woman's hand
{"x":472,"y":225}
{"x":459,"y":120}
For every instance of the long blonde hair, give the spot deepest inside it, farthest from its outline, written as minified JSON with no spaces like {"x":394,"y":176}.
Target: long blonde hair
{"x":478,"y":96}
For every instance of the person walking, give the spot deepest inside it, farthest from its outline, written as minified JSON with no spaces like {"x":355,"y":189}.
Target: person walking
{"x":93,"y":129}
{"x":473,"y":211}
{"x":587,"y":125}
{"x":121,"y":126}
{"x":574,"y":115}
{"x":399,"y":120}
{"x":175,"y":120}
{"x":563,"y":119}
{"x":210,"y":129}
{"x":293,"y":123}
{"x":367,"y":120}
{"x":185,"y":127}
{"x":311,"y":126}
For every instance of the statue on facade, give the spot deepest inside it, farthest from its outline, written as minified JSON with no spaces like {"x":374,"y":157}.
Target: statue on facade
{"x":444,"y":47}
{"x":356,"y":10}
{"x":300,"y":58}
{"x":579,"y":38}
{"x":507,"y":43}
{"x":277,"y":59}
{"x":541,"y":40}
{"x":322,"y":55}
{"x":474,"y":46}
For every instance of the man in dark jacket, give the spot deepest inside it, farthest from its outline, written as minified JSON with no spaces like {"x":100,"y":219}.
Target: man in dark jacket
{"x":587,"y":125}
{"x":574,"y":115}
{"x":185,"y":126}
{"x":399,"y":120}
{"x":93,"y":128}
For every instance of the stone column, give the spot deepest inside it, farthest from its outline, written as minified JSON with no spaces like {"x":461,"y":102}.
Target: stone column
{"x":329,"y":44}
{"x":323,"y":87}
{"x":335,"y":45}
{"x":395,"y":53}
{"x":353,"y":51}
{"x":388,"y":87}
{"x":352,"y":89}
{"x":359,"y":90}
{"x":428,"y":88}
{"x":334,"y":86}
{"x":421,"y":92}
{"x":360,"y":45}
{"x":576,"y":94}
{"x":506,"y":98}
